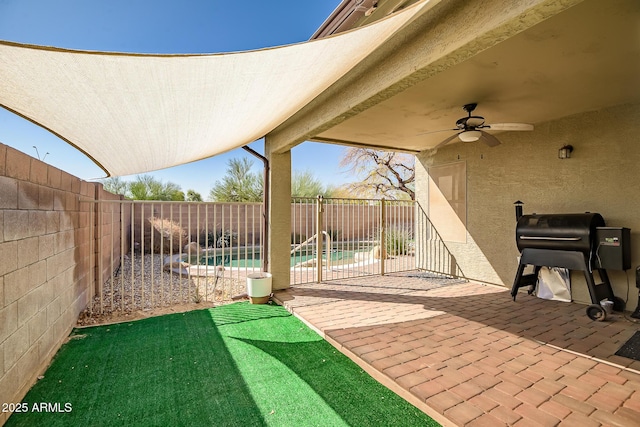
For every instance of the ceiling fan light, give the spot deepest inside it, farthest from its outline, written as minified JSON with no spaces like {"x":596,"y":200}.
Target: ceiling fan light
{"x":470,"y":135}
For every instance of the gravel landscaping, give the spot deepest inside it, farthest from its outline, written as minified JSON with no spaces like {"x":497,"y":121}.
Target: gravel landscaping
{"x":141,"y":288}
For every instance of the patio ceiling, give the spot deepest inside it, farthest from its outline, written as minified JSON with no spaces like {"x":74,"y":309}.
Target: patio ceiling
{"x":582,"y":59}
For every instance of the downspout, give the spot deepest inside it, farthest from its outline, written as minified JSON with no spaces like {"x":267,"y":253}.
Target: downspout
{"x":264,"y":259}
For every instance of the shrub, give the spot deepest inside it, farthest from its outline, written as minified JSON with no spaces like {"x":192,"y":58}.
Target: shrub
{"x":218,"y":238}
{"x":397,"y":240}
{"x":168,"y":236}
{"x":226,"y":239}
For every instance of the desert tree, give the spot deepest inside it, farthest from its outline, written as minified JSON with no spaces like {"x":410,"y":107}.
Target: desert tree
{"x":382,"y":173}
{"x":193,"y":196}
{"x":240,"y":184}
{"x":115,"y":185}
{"x":146,"y":187}
{"x":306,"y":184}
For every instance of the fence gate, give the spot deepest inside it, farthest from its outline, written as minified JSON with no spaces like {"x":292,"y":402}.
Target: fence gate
{"x":357,"y":238}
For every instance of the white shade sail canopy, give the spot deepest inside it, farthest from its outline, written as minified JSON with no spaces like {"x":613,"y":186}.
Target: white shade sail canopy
{"x":134,"y":113}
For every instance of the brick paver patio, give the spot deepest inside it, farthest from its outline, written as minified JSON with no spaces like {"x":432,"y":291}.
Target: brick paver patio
{"x":468,"y":355}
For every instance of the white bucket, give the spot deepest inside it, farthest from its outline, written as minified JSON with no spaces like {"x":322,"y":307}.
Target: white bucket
{"x":259,"y":287}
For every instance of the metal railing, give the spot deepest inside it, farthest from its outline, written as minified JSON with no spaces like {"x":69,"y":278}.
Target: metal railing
{"x":365,"y":237}
{"x":432,"y":254}
{"x":155,"y":254}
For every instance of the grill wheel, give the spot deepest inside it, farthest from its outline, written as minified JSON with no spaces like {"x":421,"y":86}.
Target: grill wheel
{"x":596,"y":312}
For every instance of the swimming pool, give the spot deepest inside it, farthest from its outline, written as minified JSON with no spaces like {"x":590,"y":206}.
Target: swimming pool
{"x":251,"y":259}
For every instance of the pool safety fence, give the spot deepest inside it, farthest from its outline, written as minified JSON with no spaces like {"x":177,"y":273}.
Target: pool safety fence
{"x":151,"y":254}
{"x":358,"y":238}
{"x":154,"y":254}
{"x":432,"y":253}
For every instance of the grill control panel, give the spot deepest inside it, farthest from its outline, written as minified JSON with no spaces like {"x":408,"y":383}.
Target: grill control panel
{"x":613,"y":248}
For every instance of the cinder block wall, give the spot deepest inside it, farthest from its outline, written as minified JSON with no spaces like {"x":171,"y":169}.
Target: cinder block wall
{"x":245,"y":219}
{"x":47,"y":262}
{"x":348,"y":222}
{"x":109,"y":219}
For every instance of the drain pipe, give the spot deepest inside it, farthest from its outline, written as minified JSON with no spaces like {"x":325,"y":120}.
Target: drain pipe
{"x":264,"y":259}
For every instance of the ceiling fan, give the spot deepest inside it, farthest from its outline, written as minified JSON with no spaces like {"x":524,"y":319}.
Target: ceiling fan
{"x":472,"y":129}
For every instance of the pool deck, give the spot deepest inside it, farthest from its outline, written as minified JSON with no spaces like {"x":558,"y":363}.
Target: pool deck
{"x":467,"y":355}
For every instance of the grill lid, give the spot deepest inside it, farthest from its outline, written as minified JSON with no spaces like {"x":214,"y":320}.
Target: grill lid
{"x":570,"y":232}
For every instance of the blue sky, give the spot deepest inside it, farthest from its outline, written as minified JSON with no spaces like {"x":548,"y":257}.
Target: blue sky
{"x":162,"y":26}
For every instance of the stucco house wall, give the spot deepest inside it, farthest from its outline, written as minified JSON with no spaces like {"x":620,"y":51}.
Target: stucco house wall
{"x":601,"y":176}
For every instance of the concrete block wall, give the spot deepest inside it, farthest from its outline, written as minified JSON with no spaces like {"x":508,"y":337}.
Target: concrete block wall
{"x":109,"y":219}
{"x":47,"y":261}
{"x":348,"y":222}
{"x":245,"y":219}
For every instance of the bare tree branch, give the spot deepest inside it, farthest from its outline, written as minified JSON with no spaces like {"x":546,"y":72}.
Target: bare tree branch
{"x":387,"y":174}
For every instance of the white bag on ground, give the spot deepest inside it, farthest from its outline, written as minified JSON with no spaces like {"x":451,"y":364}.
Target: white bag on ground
{"x":554,"y":283}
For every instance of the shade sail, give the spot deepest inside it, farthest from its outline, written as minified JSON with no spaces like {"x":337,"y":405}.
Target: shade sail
{"x":134,"y":113}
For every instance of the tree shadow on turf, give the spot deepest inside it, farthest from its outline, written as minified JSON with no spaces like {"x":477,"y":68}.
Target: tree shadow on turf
{"x":244,"y":312}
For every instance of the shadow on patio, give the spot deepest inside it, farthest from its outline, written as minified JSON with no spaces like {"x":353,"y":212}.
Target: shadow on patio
{"x":470,"y":355}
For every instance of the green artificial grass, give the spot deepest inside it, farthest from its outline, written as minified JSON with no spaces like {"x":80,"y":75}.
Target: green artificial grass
{"x":234,"y":365}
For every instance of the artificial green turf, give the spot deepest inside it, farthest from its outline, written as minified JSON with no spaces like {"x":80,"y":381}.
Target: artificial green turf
{"x":234,"y":365}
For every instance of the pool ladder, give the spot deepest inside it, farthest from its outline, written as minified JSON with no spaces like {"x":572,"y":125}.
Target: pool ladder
{"x":311,"y":239}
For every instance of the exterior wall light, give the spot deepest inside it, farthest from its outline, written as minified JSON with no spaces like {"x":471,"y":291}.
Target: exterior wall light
{"x":565,"y":152}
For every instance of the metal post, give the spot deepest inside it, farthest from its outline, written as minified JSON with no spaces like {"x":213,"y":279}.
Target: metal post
{"x":319,"y":239}
{"x":264,"y":258}
{"x":383,"y":235}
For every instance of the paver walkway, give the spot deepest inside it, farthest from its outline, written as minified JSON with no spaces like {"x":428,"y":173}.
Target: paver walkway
{"x":468,"y":355}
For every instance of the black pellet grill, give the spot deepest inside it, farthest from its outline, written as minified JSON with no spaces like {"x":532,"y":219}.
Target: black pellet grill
{"x":572,"y":241}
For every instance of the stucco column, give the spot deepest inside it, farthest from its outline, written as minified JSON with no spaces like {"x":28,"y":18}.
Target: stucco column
{"x":422,"y":178}
{"x":422,"y":198}
{"x":279,"y":216}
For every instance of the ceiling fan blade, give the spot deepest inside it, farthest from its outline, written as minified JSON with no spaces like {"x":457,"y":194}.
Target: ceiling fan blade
{"x":509,"y":126}
{"x":473,"y":121}
{"x":436,"y":131}
{"x":446,"y":141}
{"x":489,"y":139}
